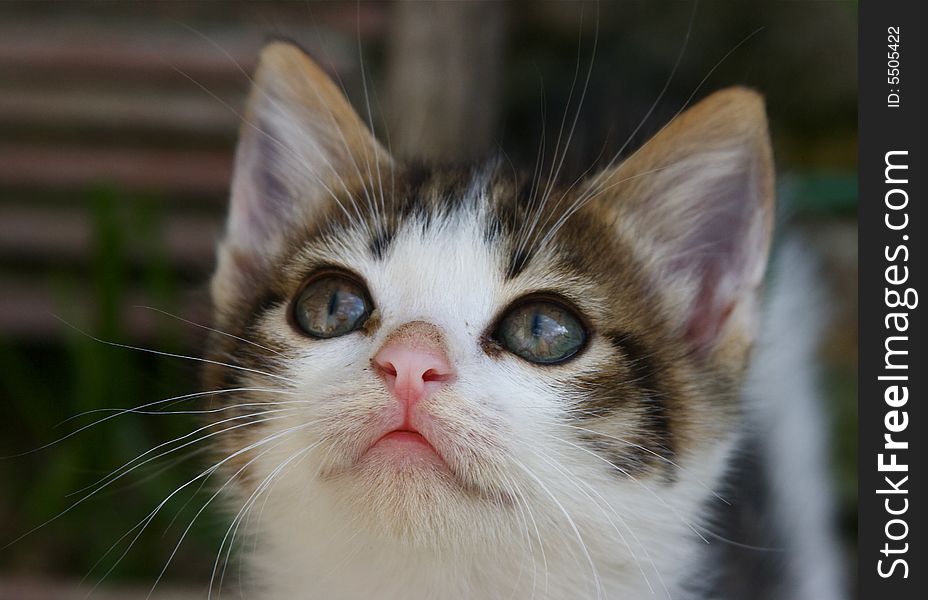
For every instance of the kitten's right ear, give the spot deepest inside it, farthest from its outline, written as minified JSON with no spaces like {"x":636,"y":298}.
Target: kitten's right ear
{"x":299,"y":141}
{"x":696,"y":203}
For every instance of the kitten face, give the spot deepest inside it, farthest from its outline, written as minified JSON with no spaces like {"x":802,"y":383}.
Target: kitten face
{"x":645,"y":276}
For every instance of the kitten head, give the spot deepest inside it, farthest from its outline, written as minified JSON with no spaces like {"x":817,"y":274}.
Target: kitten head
{"x":423,"y":354}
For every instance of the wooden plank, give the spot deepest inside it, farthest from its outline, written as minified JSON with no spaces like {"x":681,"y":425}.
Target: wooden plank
{"x":32,"y":310}
{"x":138,"y":48}
{"x":199,"y":172}
{"x":193,"y":113}
{"x":66,"y":236}
{"x":86,"y":48}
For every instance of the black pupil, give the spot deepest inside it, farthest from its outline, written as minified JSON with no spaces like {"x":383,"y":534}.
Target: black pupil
{"x":536,"y":325}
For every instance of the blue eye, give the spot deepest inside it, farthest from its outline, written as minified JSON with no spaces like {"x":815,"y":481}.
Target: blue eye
{"x":541,"y":332}
{"x":331,"y":306}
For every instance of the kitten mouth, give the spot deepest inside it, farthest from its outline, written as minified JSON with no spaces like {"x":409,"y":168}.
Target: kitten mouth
{"x":404,"y":445}
{"x":410,"y":435}
{"x":405,"y":438}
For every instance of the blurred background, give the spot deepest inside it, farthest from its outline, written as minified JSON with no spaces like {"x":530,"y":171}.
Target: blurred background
{"x":117,"y":128}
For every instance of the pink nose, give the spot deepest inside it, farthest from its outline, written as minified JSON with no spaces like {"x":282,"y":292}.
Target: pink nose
{"x":413,"y":363}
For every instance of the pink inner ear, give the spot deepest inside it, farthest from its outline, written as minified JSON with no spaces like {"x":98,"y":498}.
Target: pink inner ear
{"x":724,"y":249}
{"x":709,"y":313}
{"x":261,"y":200}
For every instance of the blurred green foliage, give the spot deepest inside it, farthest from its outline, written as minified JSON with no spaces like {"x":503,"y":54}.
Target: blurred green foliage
{"x":829,"y":193}
{"x":70,"y":386}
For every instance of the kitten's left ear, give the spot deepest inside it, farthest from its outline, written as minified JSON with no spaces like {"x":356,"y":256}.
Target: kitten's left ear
{"x":299,"y":141}
{"x":696,"y":203}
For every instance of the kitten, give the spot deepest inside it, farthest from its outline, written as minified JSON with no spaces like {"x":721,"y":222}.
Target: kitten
{"x":460,"y":383}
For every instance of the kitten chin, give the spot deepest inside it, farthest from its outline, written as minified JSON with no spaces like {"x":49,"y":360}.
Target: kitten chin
{"x":417,"y":489}
{"x":416,"y":504}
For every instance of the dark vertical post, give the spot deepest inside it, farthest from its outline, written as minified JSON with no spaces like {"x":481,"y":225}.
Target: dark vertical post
{"x":444,"y":78}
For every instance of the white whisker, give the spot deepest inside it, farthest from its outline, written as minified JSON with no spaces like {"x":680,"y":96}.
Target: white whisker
{"x":212,"y":329}
{"x":600,"y":591}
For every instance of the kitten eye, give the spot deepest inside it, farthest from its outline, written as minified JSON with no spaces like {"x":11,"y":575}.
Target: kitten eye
{"x":331,"y":306}
{"x":541,"y":332}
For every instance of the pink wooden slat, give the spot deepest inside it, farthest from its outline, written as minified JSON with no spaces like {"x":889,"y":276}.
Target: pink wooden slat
{"x":32,"y":310}
{"x":171,"y":171}
{"x":193,"y":112}
{"x":45,"y":233}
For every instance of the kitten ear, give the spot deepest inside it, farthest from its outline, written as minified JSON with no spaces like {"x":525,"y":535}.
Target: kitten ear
{"x":299,"y":141}
{"x":697,"y":201}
